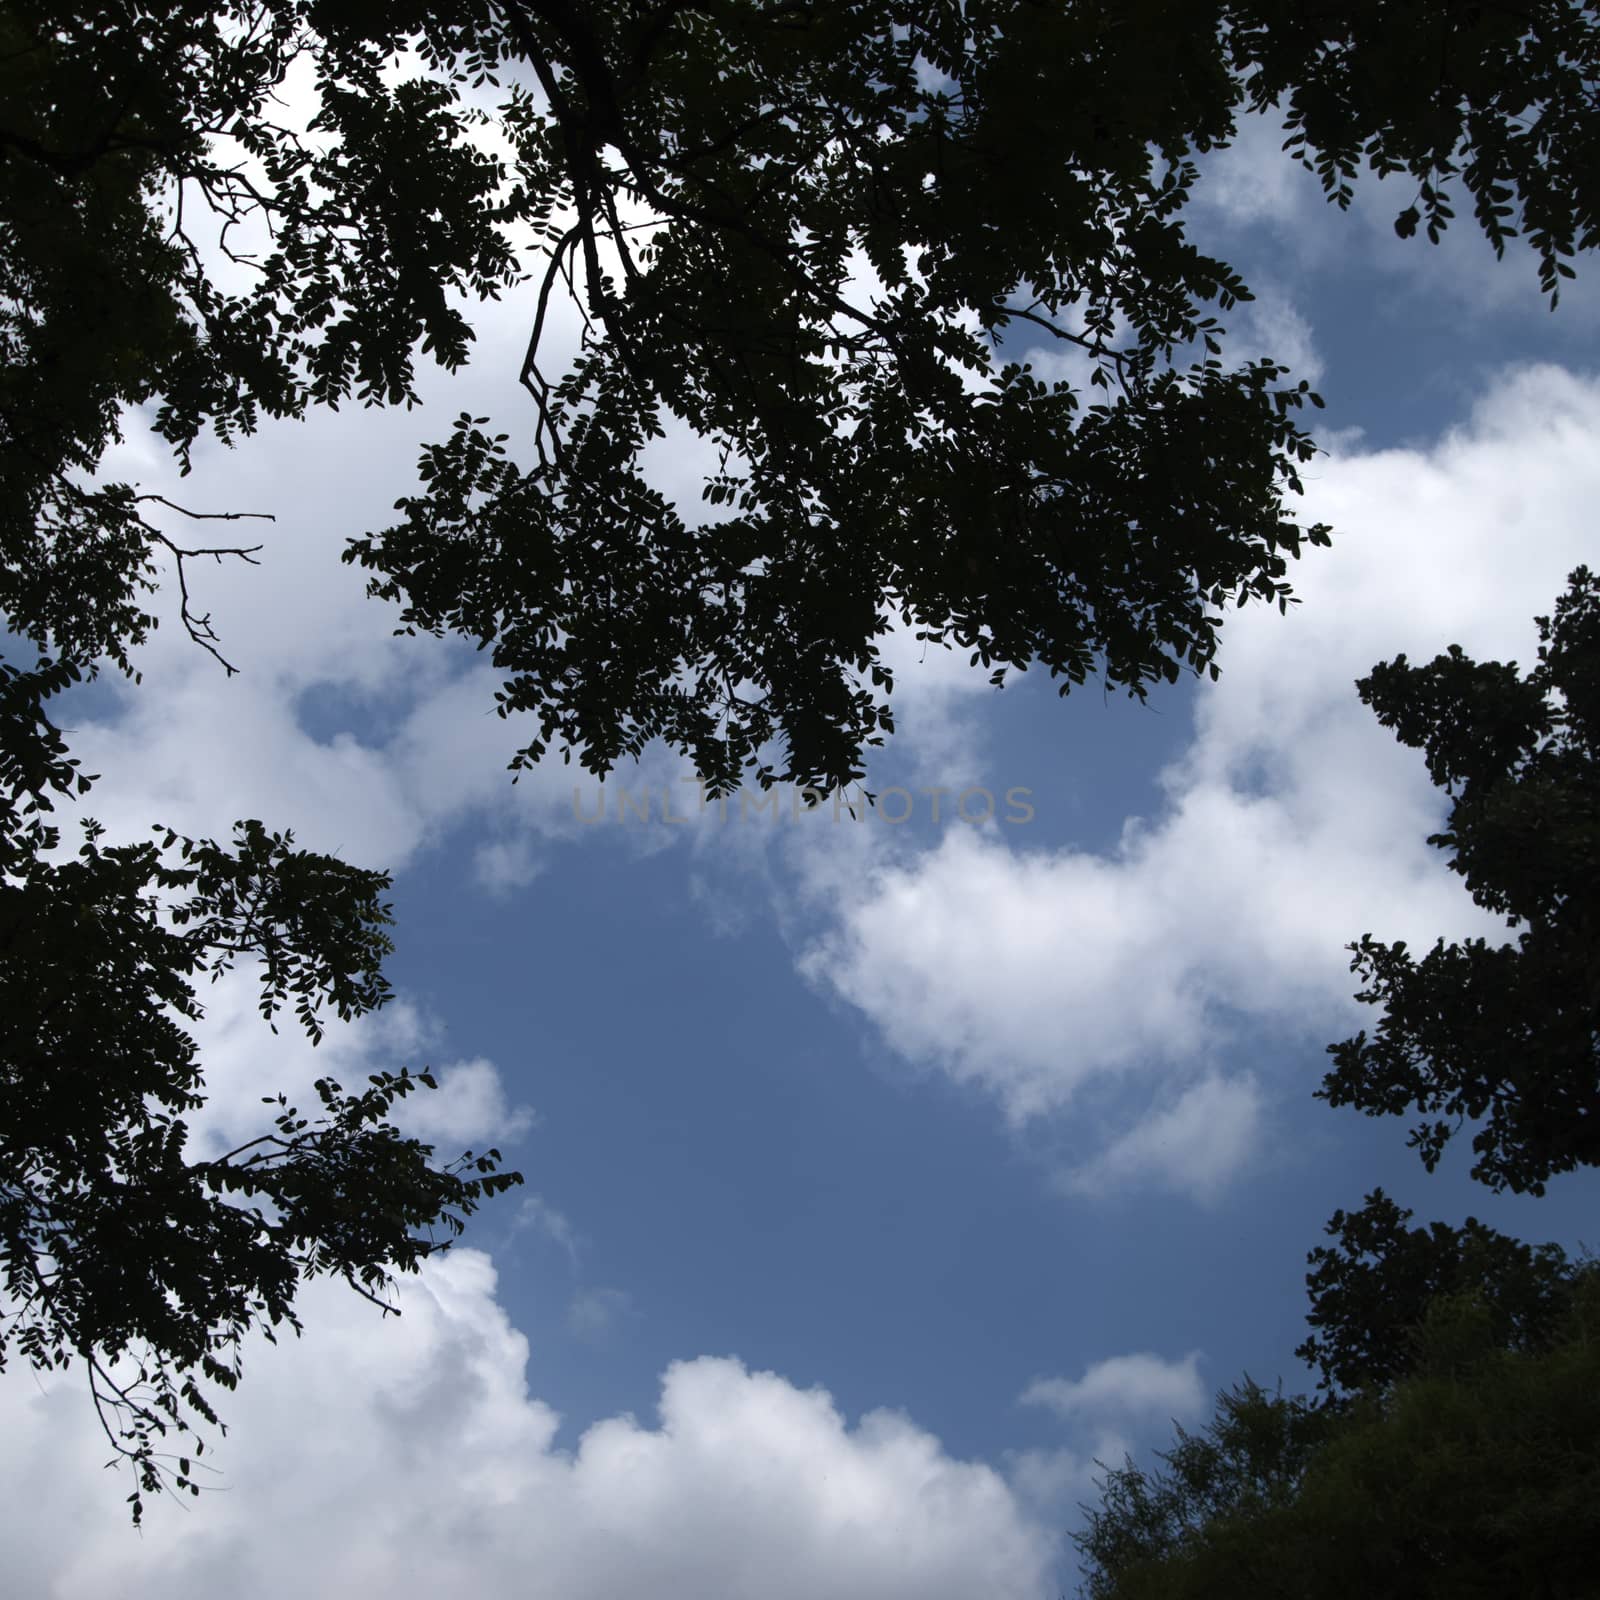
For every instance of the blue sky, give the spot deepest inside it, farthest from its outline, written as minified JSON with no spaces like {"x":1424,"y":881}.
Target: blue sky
{"x":1001,"y":1135}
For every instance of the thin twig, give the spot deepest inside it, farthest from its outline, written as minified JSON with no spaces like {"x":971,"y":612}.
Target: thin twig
{"x":199,"y":628}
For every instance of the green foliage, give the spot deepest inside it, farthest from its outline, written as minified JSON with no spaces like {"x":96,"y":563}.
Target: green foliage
{"x":707,"y":180}
{"x":120,"y":1248}
{"x":1247,"y":1463}
{"x":1506,"y":1035}
{"x":1455,"y":1450}
{"x":165,"y":242}
{"x":1371,"y":1290}
{"x":1013,"y":173}
{"x":1475,"y":1476}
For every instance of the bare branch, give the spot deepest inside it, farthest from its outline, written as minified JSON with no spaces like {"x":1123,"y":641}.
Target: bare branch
{"x":199,"y":628}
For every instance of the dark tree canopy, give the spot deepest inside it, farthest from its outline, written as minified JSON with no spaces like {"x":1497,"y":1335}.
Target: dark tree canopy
{"x":1454,"y":1450}
{"x":120,"y":1248}
{"x":1371,"y":1290}
{"x":1473,"y":1478}
{"x":1247,"y":1462}
{"x":703,"y":177}
{"x":1507,"y":1036}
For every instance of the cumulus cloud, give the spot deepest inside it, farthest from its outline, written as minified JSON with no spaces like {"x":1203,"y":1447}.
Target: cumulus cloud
{"x":410,"y":1460}
{"x":244,"y":1061}
{"x":1253,"y":181}
{"x":1271,"y":326}
{"x":470,"y":1105}
{"x":1109,"y":983}
{"x":1054,"y":1481}
{"x":367,"y":745}
{"x":1102,"y":1412}
{"x":1139,"y":1385}
{"x":998,"y":966}
{"x":936,"y":691}
{"x":1200,"y":1143}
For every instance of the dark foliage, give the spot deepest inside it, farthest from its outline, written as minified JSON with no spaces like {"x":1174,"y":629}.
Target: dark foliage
{"x":121,"y":1247}
{"x":1474,"y":1477}
{"x":707,"y":179}
{"x":1503,"y":1035}
{"x":1371,"y":1290}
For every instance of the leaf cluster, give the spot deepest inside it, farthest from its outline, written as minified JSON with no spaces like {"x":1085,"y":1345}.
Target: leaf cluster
{"x":1371,"y":1291}
{"x":1506,"y":1035}
{"x":1473,"y":1476}
{"x":1496,"y":99}
{"x":1453,"y":1451}
{"x":171,"y":239}
{"x":820,"y":237}
{"x":122,"y":1247}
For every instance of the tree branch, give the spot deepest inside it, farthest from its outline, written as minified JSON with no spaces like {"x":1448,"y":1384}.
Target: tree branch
{"x":199,"y":628}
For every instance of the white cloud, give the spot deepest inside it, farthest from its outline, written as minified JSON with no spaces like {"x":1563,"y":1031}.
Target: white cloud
{"x":1271,"y":326}
{"x":1055,"y":1481}
{"x":1108,"y":982}
{"x":1115,"y":1401}
{"x":468,"y":1108}
{"x":935,"y":692}
{"x":1139,"y":1386}
{"x":243,"y":1061}
{"x":1254,"y":181}
{"x":1200,"y":1143}
{"x":410,"y":1460}
{"x":997,"y":966}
